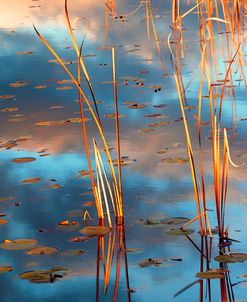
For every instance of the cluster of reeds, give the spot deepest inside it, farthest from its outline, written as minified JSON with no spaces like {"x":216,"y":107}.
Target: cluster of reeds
{"x":106,"y":182}
{"x":225,"y":19}
{"x":212,"y":16}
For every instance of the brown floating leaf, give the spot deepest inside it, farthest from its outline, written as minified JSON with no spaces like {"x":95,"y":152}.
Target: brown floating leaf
{"x":83,"y":173}
{"x":55,"y":186}
{"x":61,"y":123}
{"x":23,"y":160}
{"x":31,"y":180}
{"x":215,"y":273}
{"x":80,"y":238}
{"x":133,"y":250}
{"x":67,"y":81}
{"x":113,"y":115}
{"x":156,"y":115}
{"x":3,"y":221}
{"x":18,"y":244}
{"x":9,"y":144}
{"x":19,"y":84}
{"x":136,"y":106}
{"x":9,"y":109}
{"x":175,"y":160}
{"x":95,"y":230}
{"x":7,"y":96}
{"x":24,"y":52}
{"x":5,"y":269}
{"x":64,"y":88}
{"x":42,"y":250}
{"x":40,"y":87}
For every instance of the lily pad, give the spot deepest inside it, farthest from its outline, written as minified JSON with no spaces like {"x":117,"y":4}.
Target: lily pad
{"x":231,"y":258}
{"x":42,"y":250}
{"x":175,"y":220}
{"x":212,"y":274}
{"x":150,"y":262}
{"x":43,"y":276}
{"x":31,"y":180}
{"x":175,"y":160}
{"x":179,"y":232}
{"x":5,"y":269}
{"x":3,"y":221}
{"x":18,"y":244}
{"x":95,"y":230}
{"x":23,"y":160}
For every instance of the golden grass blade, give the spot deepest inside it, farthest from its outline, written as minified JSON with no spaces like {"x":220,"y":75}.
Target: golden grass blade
{"x":81,"y":60}
{"x":157,"y":41}
{"x":117,"y":122}
{"x":114,"y":179}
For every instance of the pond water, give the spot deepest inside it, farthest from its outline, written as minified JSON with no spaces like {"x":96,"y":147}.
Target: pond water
{"x":38,"y":194}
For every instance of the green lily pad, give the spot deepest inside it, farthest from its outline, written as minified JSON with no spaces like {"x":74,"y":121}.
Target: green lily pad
{"x":179,"y":232}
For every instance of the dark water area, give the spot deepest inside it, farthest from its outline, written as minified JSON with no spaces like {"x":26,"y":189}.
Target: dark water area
{"x":36,"y":196}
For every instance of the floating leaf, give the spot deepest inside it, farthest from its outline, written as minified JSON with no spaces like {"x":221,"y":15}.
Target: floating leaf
{"x":64,"y":88}
{"x":9,"y":109}
{"x":18,"y":84}
{"x":61,"y":123}
{"x":43,"y":276}
{"x":55,"y":186}
{"x":24,"y":52}
{"x":40,"y":87}
{"x":84,"y":173}
{"x":23,"y":160}
{"x":7,"y":96}
{"x":215,"y":273}
{"x":175,"y":160}
{"x":133,"y":250}
{"x":42,"y":250}
{"x":113,"y":115}
{"x":31,"y":180}
{"x":67,"y":81}
{"x":95,"y":230}
{"x":5,"y":269}
{"x":155,"y":115}
{"x":80,"y":238}
{"x":175,"y":220}
{"x":150,"y":262}
{"x":18,"y":244}
{"x":136,"y":106}
{"x":231,"y":258}
{"x":178,"y":232}
{"x":3,"y":221}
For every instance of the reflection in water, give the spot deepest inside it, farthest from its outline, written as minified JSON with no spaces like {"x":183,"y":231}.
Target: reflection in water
{"x":151,"y":44}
